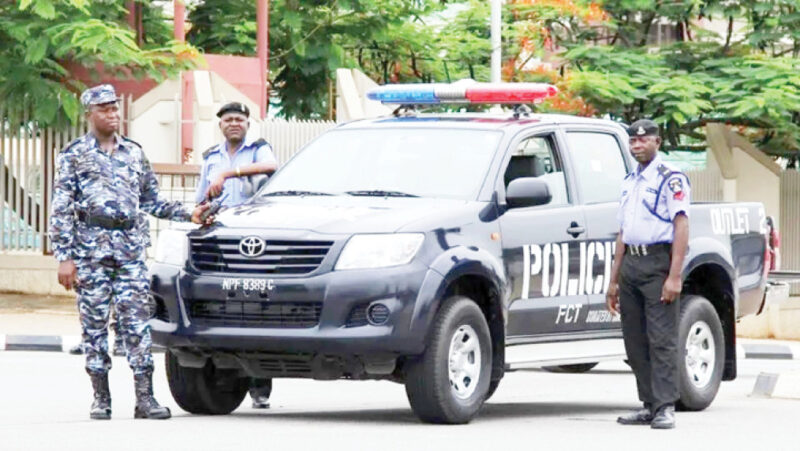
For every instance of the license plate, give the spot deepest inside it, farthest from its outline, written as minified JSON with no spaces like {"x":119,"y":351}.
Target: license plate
{"x":248,"y":286}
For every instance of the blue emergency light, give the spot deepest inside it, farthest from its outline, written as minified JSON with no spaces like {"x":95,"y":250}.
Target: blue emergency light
{"x":461,"y":92}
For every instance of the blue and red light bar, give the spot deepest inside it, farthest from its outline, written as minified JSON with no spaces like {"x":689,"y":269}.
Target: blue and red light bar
{"x":435,"y":93}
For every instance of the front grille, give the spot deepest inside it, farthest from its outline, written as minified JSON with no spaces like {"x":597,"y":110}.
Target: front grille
{"x":288,"y":365}
{"x":255,"y":313}
{"x":279,"y":257}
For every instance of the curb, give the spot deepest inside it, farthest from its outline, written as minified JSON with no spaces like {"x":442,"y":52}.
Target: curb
{"x":777,"y":385}
{"x":46,"y":343}
{"x":59,"y":343}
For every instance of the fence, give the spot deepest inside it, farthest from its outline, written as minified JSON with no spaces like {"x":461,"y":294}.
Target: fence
{"x":287,"y":137}
{"x":706,"y":186}
{"x":790,"y":224}
{"x":27,"y":158}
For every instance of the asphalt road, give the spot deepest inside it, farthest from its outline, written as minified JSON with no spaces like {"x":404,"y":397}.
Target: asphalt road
{"x":45,"y":398}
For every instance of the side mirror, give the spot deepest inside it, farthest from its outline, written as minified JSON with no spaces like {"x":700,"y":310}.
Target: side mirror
{"x":527,"y":192}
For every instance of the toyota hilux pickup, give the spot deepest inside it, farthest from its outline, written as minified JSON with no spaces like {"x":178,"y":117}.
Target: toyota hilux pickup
{"x":440,"y":251}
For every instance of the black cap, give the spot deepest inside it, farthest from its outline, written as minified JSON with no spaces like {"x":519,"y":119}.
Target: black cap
{"x":234,"y":107}
{"x":643,"y":127}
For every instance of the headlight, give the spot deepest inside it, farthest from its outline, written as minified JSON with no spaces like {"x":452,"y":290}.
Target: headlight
{"x":172,"y":247}
{"x":379,"y":251}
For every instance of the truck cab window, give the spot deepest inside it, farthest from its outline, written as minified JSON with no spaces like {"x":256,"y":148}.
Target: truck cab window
{"x":536,"y":157}
{"x":599,"y":165}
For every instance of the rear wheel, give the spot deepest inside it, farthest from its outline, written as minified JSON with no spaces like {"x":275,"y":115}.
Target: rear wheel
{"x":207,"y":390}
{"x":576,"y":368}
{"x":701,"y":350}
{"x":450,"y":381}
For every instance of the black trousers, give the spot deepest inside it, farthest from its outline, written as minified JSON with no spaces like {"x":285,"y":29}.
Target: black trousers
{"x":650,"y":327}
{"x":260,"y":387}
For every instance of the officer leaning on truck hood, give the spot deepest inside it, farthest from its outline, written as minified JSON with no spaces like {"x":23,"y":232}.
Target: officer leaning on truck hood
{"x":231,"y":169}
{"x":232,"y":166}
{"x":103,"y":183}
{"x":645,"y":281}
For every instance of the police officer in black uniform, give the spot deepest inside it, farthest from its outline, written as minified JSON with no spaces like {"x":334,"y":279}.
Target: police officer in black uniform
{"x":646,"y":275}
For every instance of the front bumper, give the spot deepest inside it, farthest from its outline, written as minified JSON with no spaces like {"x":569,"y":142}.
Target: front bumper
{"x":408,"y":291}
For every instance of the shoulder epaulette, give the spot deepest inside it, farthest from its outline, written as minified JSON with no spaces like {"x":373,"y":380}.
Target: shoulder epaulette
{"x":208,"y":151}
{"x":664,"y":171}
{"x":132,"y":141}
{"x":69,"y":146}
{"x":260,"y":142}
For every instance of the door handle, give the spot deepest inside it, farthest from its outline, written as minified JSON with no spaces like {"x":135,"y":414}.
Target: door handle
{"x":574,"y":229}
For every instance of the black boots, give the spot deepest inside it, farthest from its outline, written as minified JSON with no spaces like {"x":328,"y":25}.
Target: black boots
{"x":146,"y":405}
{"x":642,"y":416}
{"x":664,"y":417}
{"x":101,"y":407}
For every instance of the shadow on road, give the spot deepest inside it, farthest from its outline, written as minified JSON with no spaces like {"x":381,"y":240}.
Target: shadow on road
{"x":489,"y":412}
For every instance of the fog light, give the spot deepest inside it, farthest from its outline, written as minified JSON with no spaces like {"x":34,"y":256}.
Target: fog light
{"x":377,"y":314}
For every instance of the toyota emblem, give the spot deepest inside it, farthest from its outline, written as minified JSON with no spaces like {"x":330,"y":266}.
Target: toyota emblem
{"x":252,"y":246}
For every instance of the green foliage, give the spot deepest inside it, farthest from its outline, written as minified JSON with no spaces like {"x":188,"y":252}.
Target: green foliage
{"x":37,"y":36}
{"x":745,"y":76}
{"x":309,"y":39}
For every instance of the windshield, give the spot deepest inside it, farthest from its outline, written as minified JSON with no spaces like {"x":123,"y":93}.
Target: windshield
{"x":390,"y":162}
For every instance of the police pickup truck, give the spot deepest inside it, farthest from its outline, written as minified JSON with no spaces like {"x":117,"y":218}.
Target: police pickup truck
{"x":439,"y":251}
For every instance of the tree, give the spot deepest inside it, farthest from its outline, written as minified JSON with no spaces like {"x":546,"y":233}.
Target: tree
{"x":746,"y":79}
{"x":37,"y":36}
{"x":310,"y":39}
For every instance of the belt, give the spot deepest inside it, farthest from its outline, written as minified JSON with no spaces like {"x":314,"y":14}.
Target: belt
{"x":106,"y":222}
{"x":641,"y":250}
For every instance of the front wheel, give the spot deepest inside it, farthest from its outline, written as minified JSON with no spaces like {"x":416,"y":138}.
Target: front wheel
{"x":701,"y":350}
{"x":450,"y":381}
{"x":207,"y":390}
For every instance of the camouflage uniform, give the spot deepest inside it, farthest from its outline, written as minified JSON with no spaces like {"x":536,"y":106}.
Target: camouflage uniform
{"x":90,"y":184}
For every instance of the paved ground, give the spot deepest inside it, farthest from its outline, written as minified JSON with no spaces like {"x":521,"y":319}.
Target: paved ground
{"x":46,"y":396}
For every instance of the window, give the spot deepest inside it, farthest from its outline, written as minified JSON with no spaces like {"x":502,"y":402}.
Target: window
{"x":536,"y":157}
{"x":435,"y":162}
{"x":599,"y":165}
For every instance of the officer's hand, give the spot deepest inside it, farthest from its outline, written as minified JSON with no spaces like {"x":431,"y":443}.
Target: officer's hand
{"x":198,"y":213}
{"x":671,"y":289}
{"x":215,"y":189}
{"x":67,"y":274}
{"x":612,"y":298}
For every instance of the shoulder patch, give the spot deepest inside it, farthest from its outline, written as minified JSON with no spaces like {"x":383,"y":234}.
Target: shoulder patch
{"x":208,"y":151}
{"x":125,"y":138}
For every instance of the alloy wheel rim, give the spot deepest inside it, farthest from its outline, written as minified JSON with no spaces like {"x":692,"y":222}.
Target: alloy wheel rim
{"x":464,"y":361}
{"x":700,"y":354}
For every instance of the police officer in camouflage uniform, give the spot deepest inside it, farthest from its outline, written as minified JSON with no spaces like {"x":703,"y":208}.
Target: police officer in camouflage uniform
{"x":645,"y":283}
{"x":226,"y":167}
{"x":103,"y":182}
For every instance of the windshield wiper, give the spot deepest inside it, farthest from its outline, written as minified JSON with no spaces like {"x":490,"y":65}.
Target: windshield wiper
{"x":380,"y":193}
{"x":293,"y":192}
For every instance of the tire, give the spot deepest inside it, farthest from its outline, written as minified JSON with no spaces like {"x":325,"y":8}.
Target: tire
{"x":492,"y":388}
{"x":701,"y":353}
{"x":207,"y":390}
{"x":575,"y":368}
{"x":434,"y":396}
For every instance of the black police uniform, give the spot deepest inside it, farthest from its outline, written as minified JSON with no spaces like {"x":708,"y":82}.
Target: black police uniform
{"x":651,"y":199}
